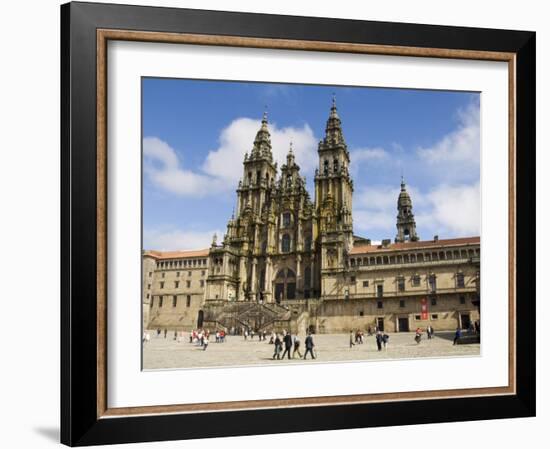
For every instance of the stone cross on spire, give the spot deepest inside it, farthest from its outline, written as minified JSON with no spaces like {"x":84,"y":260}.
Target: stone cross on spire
{"x":333,"y":130}
{"x":262,"y":142}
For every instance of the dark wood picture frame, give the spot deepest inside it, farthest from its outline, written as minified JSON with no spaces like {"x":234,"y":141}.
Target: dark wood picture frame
{"x":86,"y":29}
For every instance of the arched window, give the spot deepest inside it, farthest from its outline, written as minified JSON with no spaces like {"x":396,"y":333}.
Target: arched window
{"x":307,"y":277}
{"x":325,"y":167}
{"x":262,"y":280}
{"x":335,"y":165}
{"x":307,"y":242}
{"x":285,"y":243}
{"x":286,"y":219}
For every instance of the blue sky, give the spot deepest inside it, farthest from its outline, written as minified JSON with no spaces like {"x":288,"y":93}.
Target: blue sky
{"x":195,"y":134}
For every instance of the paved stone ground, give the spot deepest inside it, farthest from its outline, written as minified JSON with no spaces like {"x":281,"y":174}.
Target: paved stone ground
{"x":168,"y":353}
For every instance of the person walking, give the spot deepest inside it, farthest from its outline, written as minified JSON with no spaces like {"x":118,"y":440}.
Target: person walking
{"x":418,"y":335}
{"x":379,"y":340}
{"x":309,"y":346}
{"x":278,"y":345}
{"x":288,"y":345}
{"x":205,"y":342}
{"x":165,"y":332}
{"x":458,"y":335}
{"x":385,"y":341}
{"x":296,"y":347}
{"x":351,"y":343}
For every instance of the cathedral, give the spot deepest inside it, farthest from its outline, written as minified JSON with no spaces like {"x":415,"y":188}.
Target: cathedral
{"x":279,"y":241}
{"x":290,"y":261}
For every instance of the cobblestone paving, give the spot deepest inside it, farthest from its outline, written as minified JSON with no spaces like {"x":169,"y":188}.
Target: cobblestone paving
{"x":169,"y":353}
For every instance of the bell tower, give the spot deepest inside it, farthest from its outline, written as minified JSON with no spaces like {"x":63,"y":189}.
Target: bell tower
{"x":333,"y":195}
{"x":259,"y":173}
{"x":406,"y":225}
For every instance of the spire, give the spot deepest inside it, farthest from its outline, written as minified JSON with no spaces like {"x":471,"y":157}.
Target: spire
{"x":406,"y":224}
{"x":290,"y":156}
{"x":333,"y":109}
{"x":262,"y":142}
{"x":333,"y":130}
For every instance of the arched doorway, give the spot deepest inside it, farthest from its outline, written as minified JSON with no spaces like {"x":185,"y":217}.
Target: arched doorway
{"x":200,"y":319}
{"x":285,"y":285}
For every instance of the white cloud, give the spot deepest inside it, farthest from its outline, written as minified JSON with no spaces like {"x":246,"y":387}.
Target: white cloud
{"x":176,"y":240}
{"x":460,"y":145}
{"x":445,"y":210}
{"x":456,"y":208}
{"x":374,"y":220}
{"x":163,"y":167}
{"x":222,"y":168}
{"x":374,"y":210}
{"x":237,"y":138}
{"x":360,"y":155}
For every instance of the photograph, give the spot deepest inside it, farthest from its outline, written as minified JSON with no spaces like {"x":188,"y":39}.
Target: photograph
{"x":308,"y":224}
{"x":281,"y":221}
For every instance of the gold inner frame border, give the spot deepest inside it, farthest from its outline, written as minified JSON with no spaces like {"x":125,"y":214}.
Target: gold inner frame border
{"x":105,"y":35}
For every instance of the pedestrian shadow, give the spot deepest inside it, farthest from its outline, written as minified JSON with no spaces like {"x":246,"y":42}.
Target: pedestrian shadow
{"x":449,"y":336}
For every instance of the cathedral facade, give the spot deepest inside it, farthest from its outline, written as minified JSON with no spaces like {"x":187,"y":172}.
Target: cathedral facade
{"x":291,"y":261}
{"x":280,"y":240}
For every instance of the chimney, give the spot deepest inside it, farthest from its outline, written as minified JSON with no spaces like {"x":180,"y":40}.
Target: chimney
{"x":436,"y":238}
{"x":386,"y":243}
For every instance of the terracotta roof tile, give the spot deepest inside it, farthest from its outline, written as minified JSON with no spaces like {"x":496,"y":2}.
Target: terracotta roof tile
{"x":177,"y":254}
{"x":363,"y":249}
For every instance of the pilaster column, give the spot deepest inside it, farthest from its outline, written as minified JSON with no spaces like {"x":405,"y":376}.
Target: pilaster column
{"x":242,"y":278}
{"x":253,"y":283}
{"x":313,"y":276}
{"x":299,"y":285}
{"x":268,"y":294}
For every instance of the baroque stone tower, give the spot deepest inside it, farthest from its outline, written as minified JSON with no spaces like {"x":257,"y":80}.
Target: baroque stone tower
{"x":333,"y":196}
{"x":267,"y":254}
{"x":406,"y":225}
{"x":279,"y":243}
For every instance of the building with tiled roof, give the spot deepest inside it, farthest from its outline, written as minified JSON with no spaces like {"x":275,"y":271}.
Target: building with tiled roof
{"x":291,"y":261}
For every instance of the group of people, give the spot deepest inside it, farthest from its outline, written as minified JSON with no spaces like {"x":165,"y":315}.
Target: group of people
{"x":291,"y":344}
{"x":358,"y":338}
{"x":262,"y":335}
{"x":429,"y":333}
{"x":201,"y":337}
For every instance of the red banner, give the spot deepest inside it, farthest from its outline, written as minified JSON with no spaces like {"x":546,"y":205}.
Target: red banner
{"x":424,"y":308}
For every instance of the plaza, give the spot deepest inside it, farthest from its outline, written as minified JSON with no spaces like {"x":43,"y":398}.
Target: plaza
{"x":167,"y":353}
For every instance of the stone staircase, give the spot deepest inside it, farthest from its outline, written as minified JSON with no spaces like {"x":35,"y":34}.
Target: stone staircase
{"x":250,"y":315}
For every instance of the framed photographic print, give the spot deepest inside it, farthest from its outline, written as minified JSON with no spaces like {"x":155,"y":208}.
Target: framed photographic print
{"x":298,"y":220}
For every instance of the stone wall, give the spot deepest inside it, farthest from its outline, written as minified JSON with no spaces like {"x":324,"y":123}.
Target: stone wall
{"x":337,"y":316}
